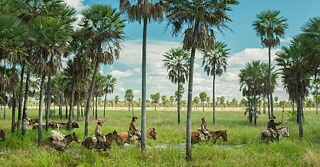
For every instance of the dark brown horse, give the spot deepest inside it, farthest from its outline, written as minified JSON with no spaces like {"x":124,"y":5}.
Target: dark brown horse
{"x":62,"y":145}
{"x":3,"y":134}
{"x":196,"y":136}
{"x":63,"y":125}
{"x":92,"y":142}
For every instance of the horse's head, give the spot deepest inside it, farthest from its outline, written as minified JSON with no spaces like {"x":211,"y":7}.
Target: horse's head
{"x":3,"y":134}
{"x":284,"y":131}
{"x":114,"y":132}
{"x":75,"y":125}
{"x":224,"y":135}
{"x":153,"y":133}
{"x":75,"y":138}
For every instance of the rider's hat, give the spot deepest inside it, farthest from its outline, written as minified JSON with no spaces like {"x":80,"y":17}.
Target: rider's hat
{"x":99,"y":123}
{"x":203,"y":118}
{"x":133,"y":118}
{"x":272,"y":118}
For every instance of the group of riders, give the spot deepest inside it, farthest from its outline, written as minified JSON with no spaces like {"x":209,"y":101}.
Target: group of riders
{"x":133,"y":130}
{"x":271,"y":127}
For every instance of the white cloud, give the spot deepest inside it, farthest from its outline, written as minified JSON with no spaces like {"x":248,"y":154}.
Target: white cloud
{"x":77,"y":4}
{"x":121,"y":74}
{"x":129,"y":73}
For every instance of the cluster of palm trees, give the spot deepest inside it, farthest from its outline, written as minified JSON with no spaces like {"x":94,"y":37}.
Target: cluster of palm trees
{"x":299,"y":65}
{"x":36,"y":36}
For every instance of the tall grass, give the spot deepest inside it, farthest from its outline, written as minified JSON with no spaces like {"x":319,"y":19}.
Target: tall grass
{"x":243,"y":147}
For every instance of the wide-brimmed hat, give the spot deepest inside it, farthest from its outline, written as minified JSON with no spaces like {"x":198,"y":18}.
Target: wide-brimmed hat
{"x":203,"y":118}
{"x":133,"y":118}
{"x":273,"y":118}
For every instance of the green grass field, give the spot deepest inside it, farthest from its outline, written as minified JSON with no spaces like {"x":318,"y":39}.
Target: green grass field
{"x":242,"y":149}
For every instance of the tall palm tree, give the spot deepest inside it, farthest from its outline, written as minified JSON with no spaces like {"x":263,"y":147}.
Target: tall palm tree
{"x":129,"y":98}
{"x":270,"y":27}
{"x":200,"y":19}
{"x":203,"y":97}
{"x":145,"y":11}
{"x":295,"y":75}
{"x":215,"y":63}
{"x":177,"y":63}
{"x":109,"y":87}
{"x":105,"y":28}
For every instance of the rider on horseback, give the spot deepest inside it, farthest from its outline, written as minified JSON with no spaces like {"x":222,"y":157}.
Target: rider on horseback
{"x":133,"y":129}
{"x":204,"y":129}
{"x":99,"y":135}
{"x":272,"y":127}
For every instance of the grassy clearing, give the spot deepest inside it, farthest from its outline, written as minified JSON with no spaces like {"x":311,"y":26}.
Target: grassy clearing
{"x":242,"y":149}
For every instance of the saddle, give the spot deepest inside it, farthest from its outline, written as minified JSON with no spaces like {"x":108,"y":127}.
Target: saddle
{"x":201,"y":135}
{"x":94,"y":139}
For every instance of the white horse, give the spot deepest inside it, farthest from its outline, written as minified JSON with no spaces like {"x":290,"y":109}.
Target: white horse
{"x":267,"y":135}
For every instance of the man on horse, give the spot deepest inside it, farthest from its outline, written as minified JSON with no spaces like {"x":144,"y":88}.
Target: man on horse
{"x":133,"y":130}
{"x":99,"y":135}
{"x":272,"y":127}
{"x":204,"y":129}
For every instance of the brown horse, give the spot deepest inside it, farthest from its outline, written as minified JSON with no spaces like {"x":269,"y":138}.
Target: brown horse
{"x":92,"y":142}
{"x":196,"y":136}
{"x":3,"y":134}
{"x":63,"y":125}
{"x":217,"y":134}
{"x":124,"y":137}
{"x":61,"y":146}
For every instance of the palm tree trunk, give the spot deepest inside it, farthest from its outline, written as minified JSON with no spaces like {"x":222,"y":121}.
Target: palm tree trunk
{"x":71,"y":103}
{"x":268,"y":106}
{"x":4,"y":110}
{"x":13,"y":126}
{"x":214,"y":99}
{"x":317,"y":102}
{"x":96,"y":116}
{"x":78,"y":110}
{"x":264,"y":105}
{"x":190,"y":87}
{"x":67,"y":110}
{"x":144,"y":80}
{"x":299,"y":104}
{"x":48,"y":101}
{"x":89,"y":98}
{"x":178,"y":100}
{"x":270,"y":87}
{"x":40,"y":110}
{"x":254,"y":109}
{"x":26,"y":96}
{"x":104,"y":105}
{"x":60,"y":107}
{"x":20,"y":96}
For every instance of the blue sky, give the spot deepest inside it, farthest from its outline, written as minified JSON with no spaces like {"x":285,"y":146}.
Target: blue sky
{"x":244,"y":47}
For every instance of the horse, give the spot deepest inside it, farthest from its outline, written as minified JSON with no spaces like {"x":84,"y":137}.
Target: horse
{"x":3,"y":134}
{"x":63,"y":125}
{"x":125,"y":137}
{"x":267,"y":135}
{"x":215,"y":135}
{"x":151,"y":132}
{"x":92,"y":142}
{"x":61,"y":146}
{"x":196,"y":137}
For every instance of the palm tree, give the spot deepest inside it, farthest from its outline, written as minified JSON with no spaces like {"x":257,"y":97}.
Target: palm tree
{"x":129,"y":98}
{"x":144,"y":11}
{"x":270,"y":27}
{"x":295,"y":75}
{"x":203,"y":97}
{"x":252,"y":82}
{"x":105,"y":30}
{"x":200,"y":19}
{"x":215,"y":63}
{"x":109,"y":87}
{"x":177,"y":61}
